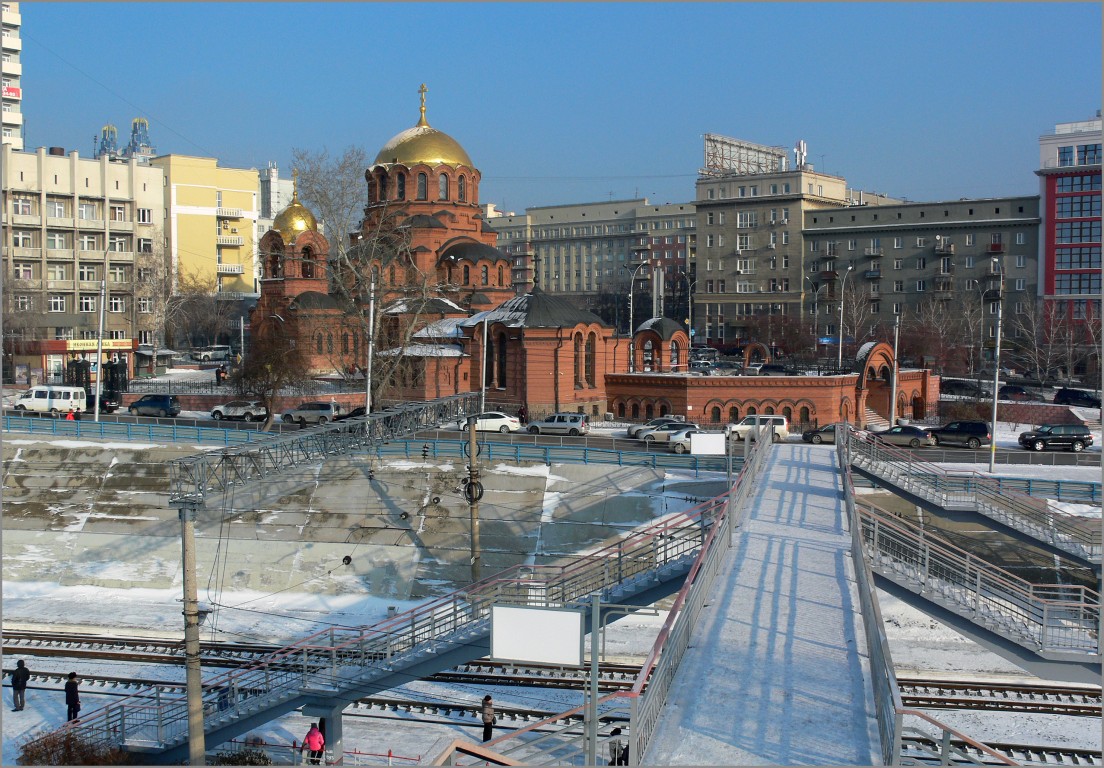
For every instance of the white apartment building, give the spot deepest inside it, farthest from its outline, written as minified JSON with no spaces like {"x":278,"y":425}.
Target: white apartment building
{"x":11,"y":97}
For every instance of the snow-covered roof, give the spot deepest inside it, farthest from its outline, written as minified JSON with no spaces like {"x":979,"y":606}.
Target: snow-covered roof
{"x":445,"y":328}
{"x":864,"y":350}
{"x":425,"y":350}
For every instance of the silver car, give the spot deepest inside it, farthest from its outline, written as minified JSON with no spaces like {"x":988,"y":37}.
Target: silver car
{"x":240,"y":409}
{"x":663,"y":433}
{"x":312,"y":413}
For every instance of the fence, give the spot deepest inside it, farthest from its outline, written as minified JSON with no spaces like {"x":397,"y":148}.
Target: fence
{"x":152,"y":433}
{"x":313,"y":388}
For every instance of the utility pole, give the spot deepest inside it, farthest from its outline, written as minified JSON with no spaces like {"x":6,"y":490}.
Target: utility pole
{"x":591,"y":718}
{"x":474,"y":492}
{"x":99,"y":348}
{"x":896,"y":369}
{"x":371,"y":346}
{"x":197,"y":748}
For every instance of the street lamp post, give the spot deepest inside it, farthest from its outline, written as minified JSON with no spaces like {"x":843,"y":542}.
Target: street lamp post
{"x":816,"y":307}
{"x":371,"y":346}
{"x":996,"y":369}
{"x":632,"y":327}
{"x":843,"y":289}
{"x":690,"y":284}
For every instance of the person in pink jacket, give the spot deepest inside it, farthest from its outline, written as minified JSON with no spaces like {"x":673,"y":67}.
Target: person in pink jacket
{"x":315,"y":742}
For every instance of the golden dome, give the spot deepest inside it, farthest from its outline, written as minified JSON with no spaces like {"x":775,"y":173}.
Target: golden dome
{"x":422,"y":144}
{"x":295,"y":218}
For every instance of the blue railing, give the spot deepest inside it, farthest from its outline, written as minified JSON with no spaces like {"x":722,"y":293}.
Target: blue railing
{"x":153,"y":433}
{"x":549,"y":454}
{"x":1061,"y":490}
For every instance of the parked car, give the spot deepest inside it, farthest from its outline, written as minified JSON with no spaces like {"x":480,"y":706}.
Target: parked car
{"x":249,"y":410}
{"x":1019,"y":394}
{"x":959,"y":388}
{"x":155,"y":405}
{"x":701,"y":366}
{"x":752,"y":369}
{"x":1076,"y":397}
{"x":905,"y":436}
{"x":662,"y":433}
{"x":312,"y":413}
{"x":213,"y":352}
{"x":727,"y":368}
{"x":740,"y":430}
{"x":561,"y":424}
{"x":821,"y":435}
{"x":494,"y":421}
{"x":680,"y":441}
{"x":636,"y":429}
{"x":774,"y":369}
{"x":972,"y":434}
{"x":357,"y":412}
{"x":1075,"y":437}
{"x":109,"y":402}
{"x":54,"y":400}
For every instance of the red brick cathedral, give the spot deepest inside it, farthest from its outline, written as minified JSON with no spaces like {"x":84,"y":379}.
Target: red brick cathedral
{"x":448,"y":318}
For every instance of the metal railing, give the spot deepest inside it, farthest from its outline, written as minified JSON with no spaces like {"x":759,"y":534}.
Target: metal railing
{"x":209,"y":387}
{"x":153,"y":433}
{"x":194,"y":477}
{"x":338,"y":662}
{"x":975,"y":492}
{"x":924,"y":738}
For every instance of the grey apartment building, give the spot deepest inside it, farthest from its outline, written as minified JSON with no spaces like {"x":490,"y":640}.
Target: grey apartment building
{"x":589,"y":253}
{"x":751,"y":262}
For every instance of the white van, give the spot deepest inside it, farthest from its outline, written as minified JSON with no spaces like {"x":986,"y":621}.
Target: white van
{"x":739,"y":431}
{"x":57,"y":400}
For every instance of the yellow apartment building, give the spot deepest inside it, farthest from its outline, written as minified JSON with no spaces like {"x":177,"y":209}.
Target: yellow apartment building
{"x":211,"y":221}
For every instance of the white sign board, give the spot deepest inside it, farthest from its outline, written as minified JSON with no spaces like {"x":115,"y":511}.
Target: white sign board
{"x":703,"y":444}
{"x":537,"y":635}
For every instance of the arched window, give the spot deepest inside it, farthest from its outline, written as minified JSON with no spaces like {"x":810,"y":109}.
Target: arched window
{"x":400,"y":191}
{"x":329,"y":343}
{"x":306,"y":263}
{"x":675,"y":355}
{"x":769,"y":411}
{"x":733,"y":414}
{"x":318,"y":344}
{"x":462,"y":189}
{"x":620,"y":410}
{"x":502,"y":361}
{"x":578,"y":360}
{"x":751,"y":411}
{"x":649,"y":412}
{"x":356,"y":346}
{"x":648,"y":355}
{"x":591,"y":346}
{"x":663,"y":409}
{"x":805,"y":415}
{"x":423,"y":184}
{"x":276,"y":263}
{"x":788,"y":413}
{"x":467,"y":275}
{"x":382,"y":187}
{"x":391,"y":274}
{"x":344,"y":343}
{"x":375,"y":274}
{"x":715,"y":414}
{"x":489,"y":365}
{"x":484,"y":275}
{"x":500,"y":280}
{"x":442,"y":187}
{"x":636,"y":410}
{"x":371,"y":190}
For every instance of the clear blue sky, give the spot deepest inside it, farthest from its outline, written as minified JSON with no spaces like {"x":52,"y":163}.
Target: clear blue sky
{"x":577,"y":102}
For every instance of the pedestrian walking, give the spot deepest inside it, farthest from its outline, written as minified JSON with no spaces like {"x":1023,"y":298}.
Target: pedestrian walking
{"x":489,"y":719}
{"x":69,"y":416}
{"x":315,"y":742}
{"x":619,"y":754}
{"x":19,"y":685}
{"x":523,"y":415}
{"x":72,"y":696}
{"x":76,"y":414}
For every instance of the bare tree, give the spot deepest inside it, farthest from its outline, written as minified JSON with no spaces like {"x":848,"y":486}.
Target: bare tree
{"x":929,"y":332}
{"x":274,"y":363}
{"x":195,"y":314}
{"x":1036,"y":336}
{"x":334,"y":189}
{"x":152,"y":291}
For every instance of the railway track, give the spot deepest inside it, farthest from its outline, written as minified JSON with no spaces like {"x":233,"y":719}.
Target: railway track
{"x":916,"y":691}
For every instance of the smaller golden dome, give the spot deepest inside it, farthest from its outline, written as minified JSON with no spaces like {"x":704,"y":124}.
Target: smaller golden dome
{"x":296,"y":217}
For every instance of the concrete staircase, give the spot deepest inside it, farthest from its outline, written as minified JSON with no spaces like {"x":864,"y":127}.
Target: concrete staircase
{"x":874,"y":421}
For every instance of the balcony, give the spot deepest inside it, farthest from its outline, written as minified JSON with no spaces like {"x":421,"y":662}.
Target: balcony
{"x":230,"y":240}
{"x":944,"y":249}
{"x":117,"y":256}
{"x":62,"y":285}
{"x":66,"y":254}
{"x":944,"y":287}
{"x":228,"y":213}
{"x":995,"y":248}
{"x":230,"y":269}
{"x":121,"y":226}
{"x":25,"y":253}
{"x":872,"y":274}
{"x":872,"y":252}
{"x":90,"y":223}
{"x":65,"y":222}
{"x":235,"y":296}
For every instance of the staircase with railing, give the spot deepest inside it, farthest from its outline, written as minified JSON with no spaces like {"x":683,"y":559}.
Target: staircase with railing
{"x":972,"y":491}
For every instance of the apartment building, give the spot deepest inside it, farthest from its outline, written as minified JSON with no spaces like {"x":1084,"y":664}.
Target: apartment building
{"x":1069,"y":191}
{"x":919,"y":259}
{"x":211,"y":226}
{"x":11,"y":70}
{"x":590,"y":252}
{"x":79,"y":235}
{"x":750,"y":261}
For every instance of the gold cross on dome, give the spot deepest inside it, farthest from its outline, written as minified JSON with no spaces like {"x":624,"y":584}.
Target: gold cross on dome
{"x":295,"y":182}
{"x":422,"y":92}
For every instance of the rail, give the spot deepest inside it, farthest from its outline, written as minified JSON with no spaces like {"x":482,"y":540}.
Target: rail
{"x":951,"y":491}
{"x":209,"y":387}
{"x":194,"y":477}
{"x":906,"y":736}
{"x":153,"y":433}
{"x":338,"y":663}
{"x":549,"y":454}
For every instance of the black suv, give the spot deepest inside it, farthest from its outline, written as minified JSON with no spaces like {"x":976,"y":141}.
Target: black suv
{"x":1075,"y":437}
{"x":1078,"y":397}
{"x":972,"y":434}
{"x":959,"y":388}
{"x":155,"y":405}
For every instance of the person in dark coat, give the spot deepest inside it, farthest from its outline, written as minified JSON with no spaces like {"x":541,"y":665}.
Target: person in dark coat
{"x":19,"y":680}
{"x":488,"y":717}
{"x":72,"y":696}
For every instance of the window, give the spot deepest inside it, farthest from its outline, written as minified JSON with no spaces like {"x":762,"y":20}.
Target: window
{"x":462,"y":189}
{"x":22,"y":271}
{"x":56,"y":241}
{"x":1020,"y":284}
{"x":442,"y":187}
{"x":1077,"y":232}
{"x":921,"y":242}
{"x":1084,"y":257}
{"x":87,"y":211}
{"x":119,"y":244}
{"x":21,"y":238}
{"x":21,"y":206}
{"x":400,"y":188}
{"x":852,"y":244}
{"x":118,"y":212}
{"x":1086,"y":282}
{"x":709,"y":218}
{"x":87,"y":302}
{"x":921,"y":286}
{"x":117,"y":273}
{"x":89,"y":242}
{"x":86,"y":272}
{"x":969,"y":239}
{"x":785,"y":238}
{"x":898,"y":242}
{"x":1065,"y":156}
{"x":1088,"y":154}
{"x":55,"y":209}
{"x":145,"y":338}
{"x":116,"y":304}
{"x":922,"y":262}
{"x":898,"y":263}
{"x":57,"y":303}
{"x":1075,"y":206}
{"x":145,"y":215}
{"x":898,"y":286}
{"x":1078,"y":183}
{"x":57,"y":272}
{"x":423,"y":183}
{"x":24,"y":304}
